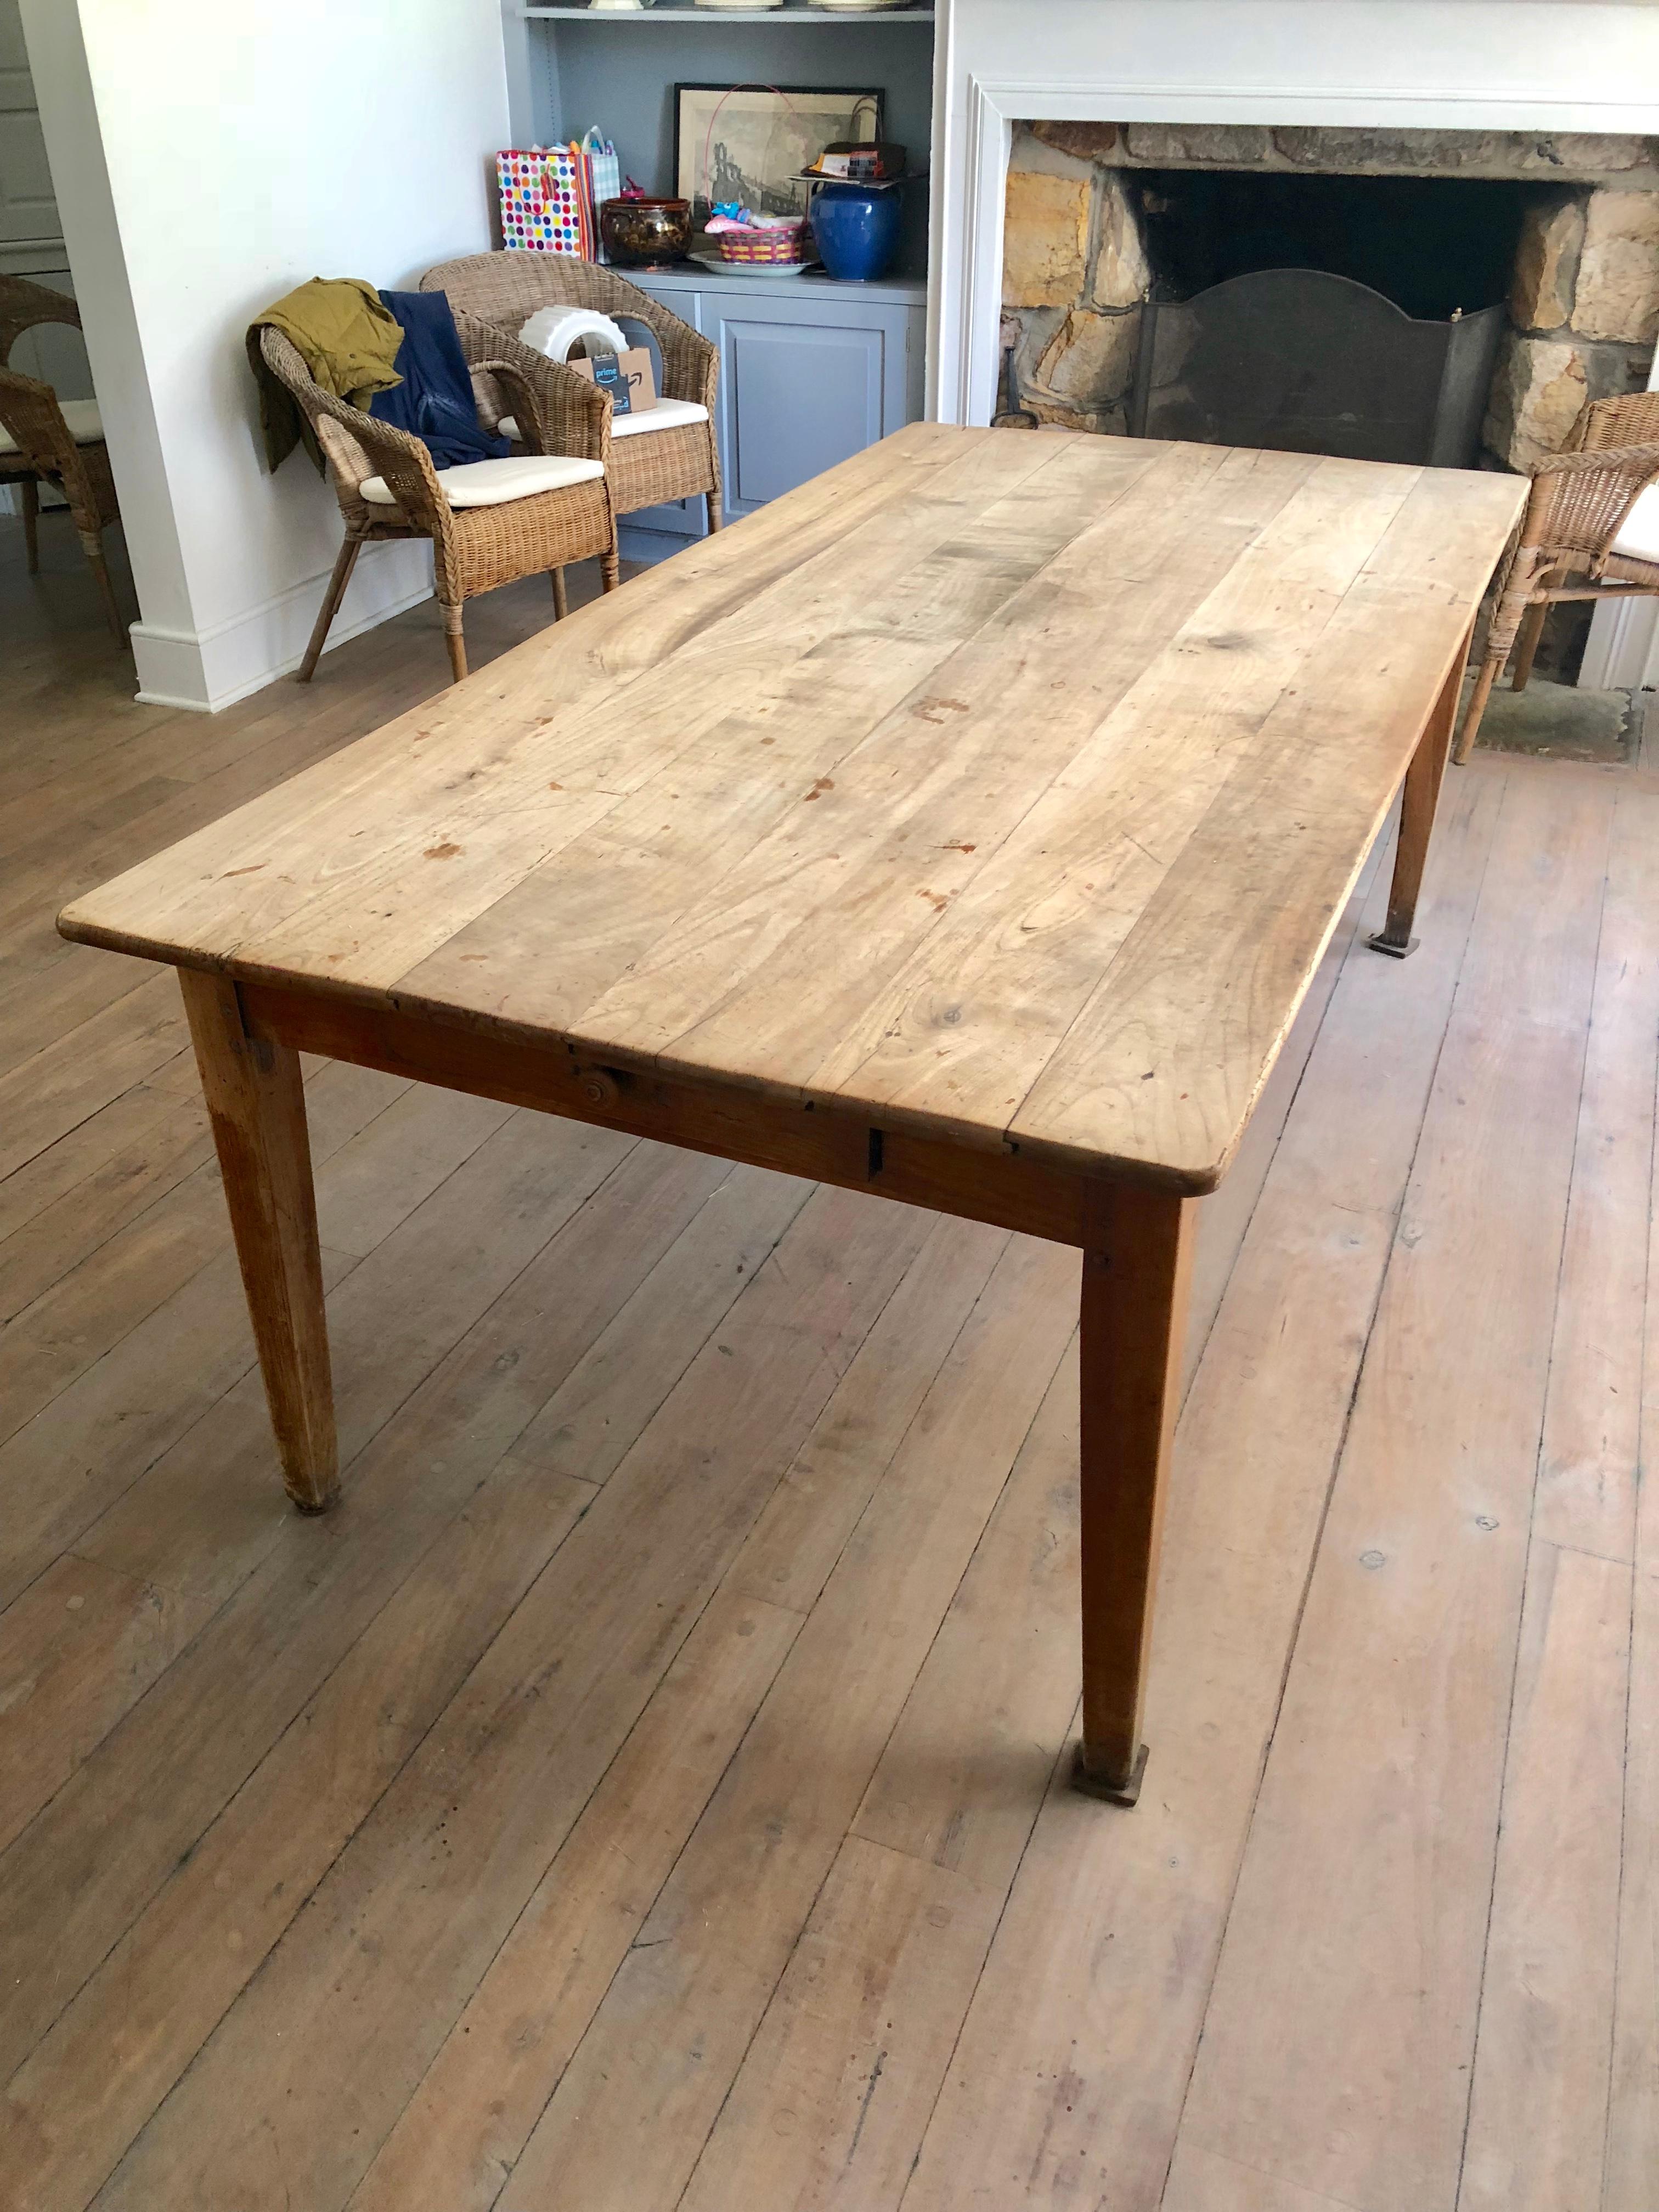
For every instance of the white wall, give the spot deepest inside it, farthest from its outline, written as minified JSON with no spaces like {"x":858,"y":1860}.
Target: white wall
{"x":209,"y":155}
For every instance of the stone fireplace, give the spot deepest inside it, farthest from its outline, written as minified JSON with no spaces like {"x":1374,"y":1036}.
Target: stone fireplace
{"x":1554,"y":237}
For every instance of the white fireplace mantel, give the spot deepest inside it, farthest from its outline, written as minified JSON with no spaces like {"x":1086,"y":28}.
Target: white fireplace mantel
{"x":1545,"y":65}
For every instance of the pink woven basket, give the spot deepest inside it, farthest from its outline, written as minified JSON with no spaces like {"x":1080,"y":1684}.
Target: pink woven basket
{"x":776,"y":247}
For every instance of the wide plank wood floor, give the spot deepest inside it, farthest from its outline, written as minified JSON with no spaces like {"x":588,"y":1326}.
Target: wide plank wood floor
{"x":648,"y":1790}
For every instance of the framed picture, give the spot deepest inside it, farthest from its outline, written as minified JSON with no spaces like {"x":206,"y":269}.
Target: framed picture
{"x":745,"y":143}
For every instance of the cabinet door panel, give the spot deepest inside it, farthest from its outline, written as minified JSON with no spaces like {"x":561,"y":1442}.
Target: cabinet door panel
{"x":801,"y":396}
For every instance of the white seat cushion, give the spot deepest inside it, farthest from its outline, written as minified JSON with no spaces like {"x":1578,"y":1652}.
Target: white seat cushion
{"x":1638,"y":533}
{"x":85,"y":424}
{"x":667,"y":415}
{"x":493,"y":483}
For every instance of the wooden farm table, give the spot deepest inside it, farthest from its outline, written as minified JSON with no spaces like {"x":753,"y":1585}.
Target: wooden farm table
{"x":964,"y":828}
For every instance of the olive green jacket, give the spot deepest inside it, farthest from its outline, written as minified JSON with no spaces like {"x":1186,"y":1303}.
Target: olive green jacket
{"x":349,"y":341}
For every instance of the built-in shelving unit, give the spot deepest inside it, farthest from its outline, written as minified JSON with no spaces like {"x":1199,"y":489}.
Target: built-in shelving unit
{"x":811,"y":371}
{"x":618,"y":68}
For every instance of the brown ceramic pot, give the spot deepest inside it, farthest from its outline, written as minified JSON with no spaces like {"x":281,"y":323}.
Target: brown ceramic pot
{"x":641,"y":234}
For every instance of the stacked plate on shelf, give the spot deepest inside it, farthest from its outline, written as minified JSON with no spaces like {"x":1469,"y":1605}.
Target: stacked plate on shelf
{"x":828,"y":6}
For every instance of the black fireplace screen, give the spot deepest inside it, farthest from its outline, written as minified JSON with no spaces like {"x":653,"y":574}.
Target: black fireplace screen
{"x":1309,"y":363}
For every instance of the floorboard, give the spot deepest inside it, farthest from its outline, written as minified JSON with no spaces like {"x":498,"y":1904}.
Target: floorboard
{"x":1631,"y":2156}
{"x":1380,"y":1802}
{"x":647,"y":1790}
{"x":1068,"y":2077}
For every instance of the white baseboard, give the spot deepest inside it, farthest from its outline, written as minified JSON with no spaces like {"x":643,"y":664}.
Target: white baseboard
{"x":204,"y":671}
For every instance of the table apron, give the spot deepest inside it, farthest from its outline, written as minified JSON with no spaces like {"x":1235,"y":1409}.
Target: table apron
{"x":733,"y":1122}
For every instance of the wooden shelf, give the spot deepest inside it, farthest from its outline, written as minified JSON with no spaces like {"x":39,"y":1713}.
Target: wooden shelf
{"x":728,"y":16}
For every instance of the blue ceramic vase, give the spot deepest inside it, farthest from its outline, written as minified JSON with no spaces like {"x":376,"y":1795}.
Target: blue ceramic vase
{"x":857,"y":230}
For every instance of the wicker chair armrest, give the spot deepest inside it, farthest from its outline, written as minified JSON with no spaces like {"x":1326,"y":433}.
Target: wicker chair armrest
{"x":1621,"y":461}
{"x":404,"y":461}
{"x":1631,"y":420}
{"x":1579,"y":500}
{"x":25,"y":305}
{"x":29,"y":411}
{"x":556,"y":410}
{"x":349,"y":464}
{"x":552,"y":418}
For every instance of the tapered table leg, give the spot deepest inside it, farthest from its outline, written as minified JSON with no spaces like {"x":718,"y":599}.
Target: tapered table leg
{"x":257,"y":1103}
{"x":1418,"y":802}
{"x":1136,"y":1271}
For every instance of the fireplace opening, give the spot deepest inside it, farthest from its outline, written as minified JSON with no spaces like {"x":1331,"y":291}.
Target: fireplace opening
{"x":1553,"y":241}
{"x":1352,"y":315}
{"x":1435,"y":247}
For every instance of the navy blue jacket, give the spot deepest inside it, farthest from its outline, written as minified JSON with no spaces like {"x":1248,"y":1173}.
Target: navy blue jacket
{"x":434,"y":401}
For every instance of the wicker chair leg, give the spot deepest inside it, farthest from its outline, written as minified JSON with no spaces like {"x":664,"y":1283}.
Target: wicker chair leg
{"x":561,"y":604}
{"x":93,"y":546}
{"x":455,"y":638}
{"x":1526,"y":646}
{"x":344,"y":561}
{"x":713,"y":504}
{"x":1466,"y":737}
{"x":1514,"y":606}
{"x":30,"y":492}
{"x":609,"y":569}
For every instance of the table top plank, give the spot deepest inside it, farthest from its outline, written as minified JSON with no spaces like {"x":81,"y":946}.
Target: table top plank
{"x":991,"y":980}
{"x":1223,"y":951}
{"x":697,"y":721}
{"x":610,"y":898}
{"x":881,"y":830}
{"x":999,"y":787}
{"x":342,"y":831}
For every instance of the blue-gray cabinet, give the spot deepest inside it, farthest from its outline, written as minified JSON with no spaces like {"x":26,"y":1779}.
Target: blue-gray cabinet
{"x":811,"y":372}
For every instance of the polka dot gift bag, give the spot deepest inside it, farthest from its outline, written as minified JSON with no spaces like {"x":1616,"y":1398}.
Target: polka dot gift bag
{"x":544,"y":208}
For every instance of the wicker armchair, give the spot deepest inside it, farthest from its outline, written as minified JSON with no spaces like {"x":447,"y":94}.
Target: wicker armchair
{"x":387,"y":487}
{"x":45,"y":441}
{"x":1571,"y":542}
{"x":650,"y":462}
